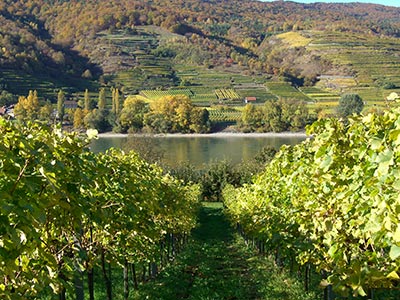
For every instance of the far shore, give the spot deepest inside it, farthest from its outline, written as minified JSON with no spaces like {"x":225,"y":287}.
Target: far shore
{"x":216,"y":134}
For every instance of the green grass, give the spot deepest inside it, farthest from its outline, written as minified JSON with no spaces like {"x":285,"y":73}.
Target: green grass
{"x":218,"y":265}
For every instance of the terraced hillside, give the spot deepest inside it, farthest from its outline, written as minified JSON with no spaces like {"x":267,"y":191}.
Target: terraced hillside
{"x":364,"y":64}
{"x":162,"y":45}
{"x":127,"y":56}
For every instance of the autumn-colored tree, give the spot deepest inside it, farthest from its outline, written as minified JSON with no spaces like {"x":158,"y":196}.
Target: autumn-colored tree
{"x":173,"y":114}
{"x":79,"y":116}
{"x":28,"y":107}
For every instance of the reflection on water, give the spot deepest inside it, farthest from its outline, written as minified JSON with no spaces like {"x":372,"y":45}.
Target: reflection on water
{"x":201,"y":150}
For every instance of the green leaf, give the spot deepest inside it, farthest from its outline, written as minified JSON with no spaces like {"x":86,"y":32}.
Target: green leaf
{"x":361,"y":292}
{"x":393,"y":275}
{"x":385,"y":157}
{"x":326,"y":163}
{"x":376,"y":143}
{"x":394,"y":252}
{"x":92,"y":133}
{"x":395,"y":136}
{"x":396,"y":235}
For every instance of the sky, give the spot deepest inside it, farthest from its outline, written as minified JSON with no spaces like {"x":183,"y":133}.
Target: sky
{"x":383,"y":2}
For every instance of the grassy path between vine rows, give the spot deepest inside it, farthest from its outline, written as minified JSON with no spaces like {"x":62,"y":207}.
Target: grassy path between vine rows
{"x":217,"y":265}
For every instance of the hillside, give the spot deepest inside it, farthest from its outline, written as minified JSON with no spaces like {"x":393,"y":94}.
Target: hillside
{"x":150,"y":44}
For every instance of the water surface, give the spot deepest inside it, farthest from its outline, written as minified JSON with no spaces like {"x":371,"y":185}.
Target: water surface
{"x":199,"y":150}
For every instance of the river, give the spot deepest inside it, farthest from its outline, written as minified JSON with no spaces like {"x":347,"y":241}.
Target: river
{"x":200,"y":149}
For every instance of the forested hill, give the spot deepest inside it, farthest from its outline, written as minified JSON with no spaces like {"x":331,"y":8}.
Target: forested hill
{"x":63,"y":37}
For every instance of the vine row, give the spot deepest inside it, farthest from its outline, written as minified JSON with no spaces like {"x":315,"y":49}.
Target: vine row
{"x":65,"y":211}
{"x":331,"y":202}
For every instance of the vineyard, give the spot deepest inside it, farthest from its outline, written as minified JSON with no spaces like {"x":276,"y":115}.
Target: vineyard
{"x":227,"y":94}
{"x":331,"y":204}
{"x":66,"y":211}
{"x":325,"y":100}
{"x":326,"y":208}
{"x":224,"y":115}
{"x":203,"y":96}
{"x":200,"y":96}
{"x":286,"y":90}
{"x":157,"y":94}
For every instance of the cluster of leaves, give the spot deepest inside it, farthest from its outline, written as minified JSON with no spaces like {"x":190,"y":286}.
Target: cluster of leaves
{"x":64,"y":209}
{"x":276,"y":116}
{"x":333,"y":202}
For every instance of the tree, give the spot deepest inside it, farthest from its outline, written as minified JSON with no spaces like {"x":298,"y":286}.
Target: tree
{"x":273,"y":116}
{"x":28,"y":107}
{"x":200,"y":120}
{"x":87,"y":104}
{"x":252,"y":118}
{"x":98,"y":119}
{"x":295,"y":113}
{"x":170,"y":114}
{"x":115,"y":101}
{"x":87,"y":74}
{"x":102,"y":99}
{"x":350,"y":104}
{"x":46,"y":111}
{"x":61,"y":105}
{"x":6,"y":98}
{"x":132,"y":114}
{"x":79,"y":116}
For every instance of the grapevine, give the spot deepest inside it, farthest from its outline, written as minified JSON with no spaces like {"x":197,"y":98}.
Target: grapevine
{"x":65,"y":209}
{"x":332,"y":201}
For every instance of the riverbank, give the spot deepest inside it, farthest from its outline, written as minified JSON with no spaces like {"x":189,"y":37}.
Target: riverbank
{"x":216,"y":134}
